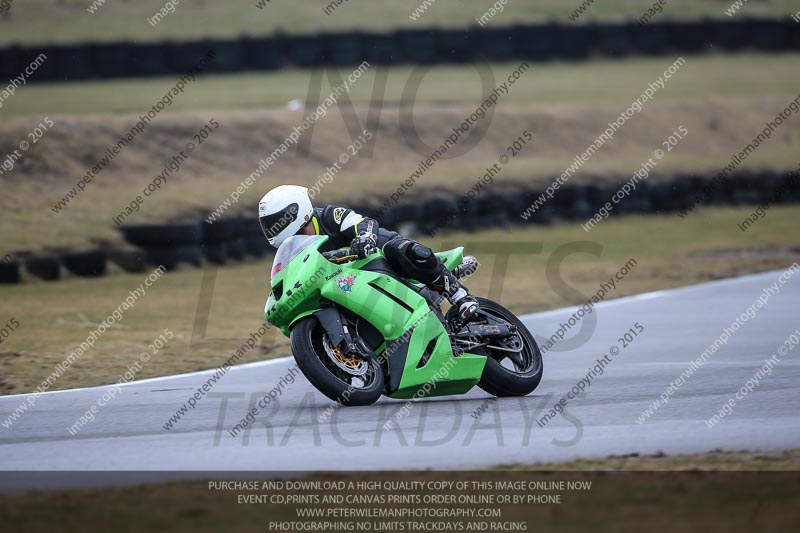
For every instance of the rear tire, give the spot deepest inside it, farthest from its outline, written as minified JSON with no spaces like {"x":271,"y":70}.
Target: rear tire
{"x":501,"y":381}
{"x":307,"y":338}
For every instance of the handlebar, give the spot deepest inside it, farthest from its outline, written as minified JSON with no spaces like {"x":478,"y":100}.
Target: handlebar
{"x":339,"y":256}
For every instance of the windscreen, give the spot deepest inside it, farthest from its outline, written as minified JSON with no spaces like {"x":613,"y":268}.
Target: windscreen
{"x":290,"y":249}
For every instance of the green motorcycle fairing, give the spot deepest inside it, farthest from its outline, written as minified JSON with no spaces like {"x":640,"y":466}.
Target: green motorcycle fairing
{"x":416,"y":345}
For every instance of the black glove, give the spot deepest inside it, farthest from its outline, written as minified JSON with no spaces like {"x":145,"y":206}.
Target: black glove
{"x":364,"y":245}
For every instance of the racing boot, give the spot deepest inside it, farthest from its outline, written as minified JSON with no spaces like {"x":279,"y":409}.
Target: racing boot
{"x":448,"y":286}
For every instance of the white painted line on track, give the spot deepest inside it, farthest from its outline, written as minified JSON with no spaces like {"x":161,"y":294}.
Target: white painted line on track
{"x":243,"y":366}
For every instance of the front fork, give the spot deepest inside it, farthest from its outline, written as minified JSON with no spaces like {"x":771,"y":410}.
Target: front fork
{"x":335,"y":325}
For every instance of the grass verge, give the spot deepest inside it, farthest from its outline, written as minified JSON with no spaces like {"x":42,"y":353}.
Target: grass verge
{"x":544,"y":85}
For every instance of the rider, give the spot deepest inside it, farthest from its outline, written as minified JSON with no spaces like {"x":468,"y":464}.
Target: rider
{"x":286,"y":211}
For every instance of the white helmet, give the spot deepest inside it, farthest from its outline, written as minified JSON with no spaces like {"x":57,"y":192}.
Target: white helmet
{"x":283,"y":211}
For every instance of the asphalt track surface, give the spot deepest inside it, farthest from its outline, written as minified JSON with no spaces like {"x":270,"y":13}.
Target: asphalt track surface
{"x":448,"y":432}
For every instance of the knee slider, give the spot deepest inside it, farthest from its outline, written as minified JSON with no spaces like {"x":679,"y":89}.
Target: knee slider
{"x":421,"y":255}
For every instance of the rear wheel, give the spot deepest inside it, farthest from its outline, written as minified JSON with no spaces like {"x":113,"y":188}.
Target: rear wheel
{"x":343,"y":377}
{"x":514,"y":365}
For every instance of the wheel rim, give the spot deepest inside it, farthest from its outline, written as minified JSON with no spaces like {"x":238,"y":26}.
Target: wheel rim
{"x":326,"y":353}
{"x":347,"y":362}
{"x":523,"y":361}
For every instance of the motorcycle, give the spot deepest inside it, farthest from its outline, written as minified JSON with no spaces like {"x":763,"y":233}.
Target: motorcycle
{"x":359,"y":331}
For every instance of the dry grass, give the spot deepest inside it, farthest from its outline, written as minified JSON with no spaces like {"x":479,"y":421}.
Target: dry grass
{"x":544,"y":85}
{"x":717,"y":129}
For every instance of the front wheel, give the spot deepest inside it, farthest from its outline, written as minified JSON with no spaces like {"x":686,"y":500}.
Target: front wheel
{"x":342,"y":377}
{"x":514,"y":368}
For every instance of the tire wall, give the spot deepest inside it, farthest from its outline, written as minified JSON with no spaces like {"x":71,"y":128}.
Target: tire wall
{"x":192,"y":243}
{"x":534,"y":42}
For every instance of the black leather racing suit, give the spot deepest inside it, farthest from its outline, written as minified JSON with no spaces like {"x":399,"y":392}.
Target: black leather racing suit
{"x":407,"y":257}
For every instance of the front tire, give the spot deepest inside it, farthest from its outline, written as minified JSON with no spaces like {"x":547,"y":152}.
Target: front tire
{"x":308,"y":338}
{"x":500,"y":380}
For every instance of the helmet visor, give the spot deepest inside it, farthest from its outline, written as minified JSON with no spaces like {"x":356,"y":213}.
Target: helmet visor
{"x":273,"y":224}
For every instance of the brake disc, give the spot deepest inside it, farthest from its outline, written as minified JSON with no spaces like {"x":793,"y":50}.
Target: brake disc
{"x":350,"y":364}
